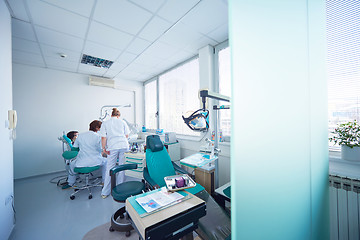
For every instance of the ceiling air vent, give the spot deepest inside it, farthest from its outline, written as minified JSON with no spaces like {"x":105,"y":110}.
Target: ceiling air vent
{"x":102,"y":82}
{"x":97,"y":62}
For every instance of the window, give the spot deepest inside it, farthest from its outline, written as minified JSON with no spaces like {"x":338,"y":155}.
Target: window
{"x":224,"y":80}
{"x":343,"y":24}
{"x":151,"y":105}
{"x":178,"y":95}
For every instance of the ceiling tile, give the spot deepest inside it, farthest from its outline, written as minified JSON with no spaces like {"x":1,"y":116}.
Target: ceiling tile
{"x":108,"y":36}
{"x":27,"y":58}
{"x":122,"y":15}
{"x":139,"y":68}
{"x":208,"y":15}
{"x":59,"y":40}
{"x":82,"y":7}
{"x":202,"y":42}
{"x":101,"y":51}
{"x":55,"y":52}
{"x":180,"y":35}
{"x":87,"y":69}
{"x":19,"y":10}
{"x":220,"y":34}
{"x":154,"y":29}
{"x":58,"y":19}
{"x":126,"y":58}
{"x":59,"y":63}
{"x":148,"y":60}
{"x":22,"y":29}
{"x":128,"y":75}
{"x":110,"y":73}
{"x":25,"y":45}
{"x":138,"y":45}
{"x":161,"y":50}
{"x":181,"y":56}
{"x":174,"y":10}
{"x":152,"y":5}
{"x":117,"y":67}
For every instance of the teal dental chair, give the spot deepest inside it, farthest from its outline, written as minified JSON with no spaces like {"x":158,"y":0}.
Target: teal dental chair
{"x":216,"y":224}
{"x":120,"y":193}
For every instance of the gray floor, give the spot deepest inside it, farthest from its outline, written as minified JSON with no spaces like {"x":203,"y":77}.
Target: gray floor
{"x":44,"y":210}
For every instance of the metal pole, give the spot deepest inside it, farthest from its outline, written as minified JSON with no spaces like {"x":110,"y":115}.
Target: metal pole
{"x":216,"y":147}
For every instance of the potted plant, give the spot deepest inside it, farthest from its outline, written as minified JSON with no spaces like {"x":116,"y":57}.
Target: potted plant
{"x":347,"y":135}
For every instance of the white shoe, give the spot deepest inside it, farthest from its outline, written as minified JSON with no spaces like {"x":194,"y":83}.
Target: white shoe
{"x":104,"y":196}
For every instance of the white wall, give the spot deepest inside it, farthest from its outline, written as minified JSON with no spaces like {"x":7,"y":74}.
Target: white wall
{"x":6,"y":145}
{"x":279,"y":146}
{"x":50,"y":102}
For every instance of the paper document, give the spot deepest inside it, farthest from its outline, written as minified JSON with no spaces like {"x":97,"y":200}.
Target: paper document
{"x":158,"y":199}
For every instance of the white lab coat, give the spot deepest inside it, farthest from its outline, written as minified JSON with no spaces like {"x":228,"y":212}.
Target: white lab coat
{"x":89,"y":154}
{"x":115,"y":131}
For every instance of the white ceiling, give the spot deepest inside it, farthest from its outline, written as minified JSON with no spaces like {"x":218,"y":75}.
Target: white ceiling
{"x":142,"y":37}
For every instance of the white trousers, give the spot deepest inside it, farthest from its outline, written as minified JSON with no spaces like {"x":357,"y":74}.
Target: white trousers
{"x":73,"y":175}
{"x":111,"y":162}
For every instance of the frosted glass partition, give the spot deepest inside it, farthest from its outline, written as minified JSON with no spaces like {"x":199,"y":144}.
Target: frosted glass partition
{"x":279,"y":165}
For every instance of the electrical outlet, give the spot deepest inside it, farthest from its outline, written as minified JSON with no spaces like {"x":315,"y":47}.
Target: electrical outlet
{"x":8,"y":200}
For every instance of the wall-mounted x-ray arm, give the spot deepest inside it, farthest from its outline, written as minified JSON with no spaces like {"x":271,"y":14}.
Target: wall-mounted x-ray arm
{"x":104,"y":110}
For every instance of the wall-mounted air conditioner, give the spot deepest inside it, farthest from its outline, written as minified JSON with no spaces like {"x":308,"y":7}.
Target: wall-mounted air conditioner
{"x":102,"y":82}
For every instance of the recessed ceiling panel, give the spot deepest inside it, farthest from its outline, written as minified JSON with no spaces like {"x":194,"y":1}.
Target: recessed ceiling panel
{"x":220,"y":34}
{"x":101,"y":51}
{"x":117,"y":67}
{"x":55,"y":52}
{"x":61,"y":63}
{"x":18,"y":8}
{"x":22,"y":30}
{"x":60,"y":40}
{"x":138,"y":45}
{"x":126,"y":58}
{"x":98,"y":33}
{"x":27,"y":58}
{"x":110,"y":73}
{"x":208,"y":15}
{"x":58,"y":19}
{"x":180,"y":35}
{"x":154,"y":29}
{"x":148,"y":60}
{"x":199,"y":43}
{"x":161,"y":50}
{"x":174,"y":10}
{"x":96,"y":62}
{"x":25,"y":45}
{"x":152,"y":5}
{"x":122,"y":15}
{"x":82,"y":7}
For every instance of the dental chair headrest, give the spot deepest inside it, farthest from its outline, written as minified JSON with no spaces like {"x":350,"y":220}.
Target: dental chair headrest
{"x":154,"y":143}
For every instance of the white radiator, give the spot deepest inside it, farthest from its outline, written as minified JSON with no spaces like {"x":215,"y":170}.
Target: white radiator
{"x":344,"y":208}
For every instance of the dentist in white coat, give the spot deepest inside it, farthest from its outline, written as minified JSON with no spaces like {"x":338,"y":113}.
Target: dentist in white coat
{"x":89,"y":155}
{"x":114,"y":134}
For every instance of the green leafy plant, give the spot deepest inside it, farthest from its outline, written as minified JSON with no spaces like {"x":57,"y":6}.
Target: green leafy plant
{"x":347,"y":134}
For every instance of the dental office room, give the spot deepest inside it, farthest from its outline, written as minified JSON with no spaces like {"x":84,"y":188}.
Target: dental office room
{"x":208,"y":119}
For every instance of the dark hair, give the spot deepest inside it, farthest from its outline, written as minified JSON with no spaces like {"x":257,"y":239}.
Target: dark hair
{"x":71,"y":134}
{"x":94,"y":124}
{"x":115,"y":112}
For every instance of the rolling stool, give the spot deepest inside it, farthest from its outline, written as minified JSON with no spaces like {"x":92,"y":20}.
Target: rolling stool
{"x":120,"y":193}
{"x":86,"y":171}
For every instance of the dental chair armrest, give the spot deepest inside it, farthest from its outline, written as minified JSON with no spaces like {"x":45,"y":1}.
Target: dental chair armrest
{"x":149,"y":180}
{"x":120,"y":168}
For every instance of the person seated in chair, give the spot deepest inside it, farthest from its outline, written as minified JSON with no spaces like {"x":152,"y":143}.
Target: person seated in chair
{"x":72,"y":135}
{"x":89,"y":155}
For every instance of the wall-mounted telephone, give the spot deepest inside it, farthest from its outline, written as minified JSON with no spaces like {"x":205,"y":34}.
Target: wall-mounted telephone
{"x":12,"y":117}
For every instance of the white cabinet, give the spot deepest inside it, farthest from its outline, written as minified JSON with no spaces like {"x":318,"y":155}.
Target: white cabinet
{"x":173,"y":150}
{"x":139,"y":159}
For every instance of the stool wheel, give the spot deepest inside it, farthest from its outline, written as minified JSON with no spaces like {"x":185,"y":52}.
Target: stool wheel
{"x":127,"y":234}
{"x":111,"y":229}
{"x":90,"y":196}
{"x":72,"y":197}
